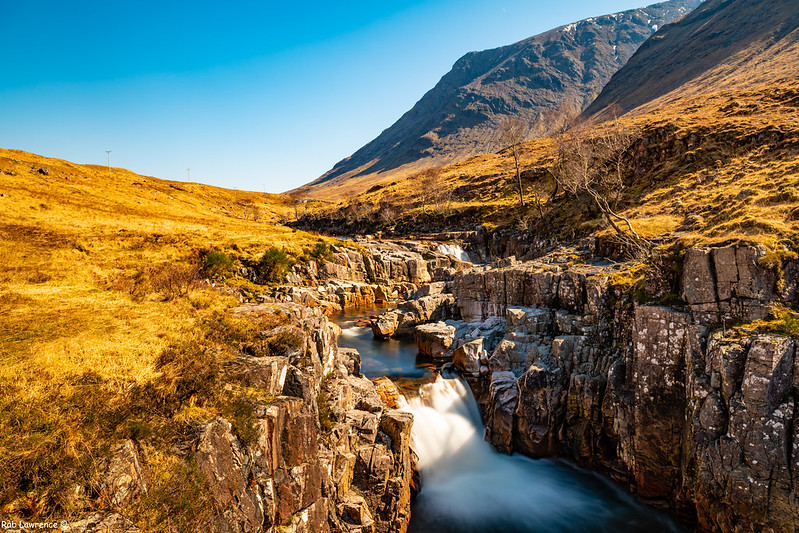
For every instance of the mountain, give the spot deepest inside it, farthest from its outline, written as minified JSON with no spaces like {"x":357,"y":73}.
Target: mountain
{"x":723,"y":43}
{"x":546,"y":80}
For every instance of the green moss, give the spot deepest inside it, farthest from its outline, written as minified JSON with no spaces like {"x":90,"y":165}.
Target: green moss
{"x":781,"y":321}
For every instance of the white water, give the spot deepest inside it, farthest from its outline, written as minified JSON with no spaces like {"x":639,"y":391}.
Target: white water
{"x":468,"y":487}
{"x":455,"y":251}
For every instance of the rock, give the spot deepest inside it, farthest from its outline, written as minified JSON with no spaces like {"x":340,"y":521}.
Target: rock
{"x":430,"y":289}
{"x":662,"y":341}
{"x":127,"y":476}
{"x":584,"y":416}
{"x":225,"y":464}
{"x":541,"y":404}
{"x":352,"y":360}
{"x":354,"y":511}
{"x":430,"y":308}
{"x":267,"y":373}
{"x":363,"y":425}
{"x":386,"y":325}
{"x":727,"y":283}
{"x":102,"y":523}
{"x":388,"y":392}
{"x":434,"y":340}
{"x":504,"y":395}
{"x":373,"y":465}
{"x":467,"y":357}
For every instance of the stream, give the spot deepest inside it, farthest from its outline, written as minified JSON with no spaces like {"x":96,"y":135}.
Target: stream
{"x":468,"y":487}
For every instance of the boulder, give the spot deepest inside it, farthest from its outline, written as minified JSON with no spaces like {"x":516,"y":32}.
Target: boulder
{"x":504,"y":395}
{"x":468,"y":355}
{"x":434,"y":340}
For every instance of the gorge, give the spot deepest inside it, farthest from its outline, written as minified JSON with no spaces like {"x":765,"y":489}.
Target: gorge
{"x":467,"y":486}
{"x":567,"y":360}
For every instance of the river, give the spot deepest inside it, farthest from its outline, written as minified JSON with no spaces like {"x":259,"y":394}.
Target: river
{"x":468,"y":487}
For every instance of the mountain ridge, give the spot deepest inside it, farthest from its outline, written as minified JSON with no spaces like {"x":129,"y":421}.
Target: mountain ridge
{"x":545,"y":79}
{"x":714,"y":46}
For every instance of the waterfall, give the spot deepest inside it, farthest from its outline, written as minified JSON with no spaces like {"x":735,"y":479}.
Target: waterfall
{"x":455,"y":251}
{"x":469,"y":487}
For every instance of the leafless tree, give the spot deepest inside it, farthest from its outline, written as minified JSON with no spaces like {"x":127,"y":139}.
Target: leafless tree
{"x":428,"y":187}
{"x":590,"y":162}
{"x":511,"y":134}
{"x":432,"y":191}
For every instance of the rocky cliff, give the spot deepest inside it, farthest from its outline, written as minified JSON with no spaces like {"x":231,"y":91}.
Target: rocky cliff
{"x":691,"y":415}
{"x":320,"y":450}
{"x":377,"y":273}
{"x":544,"y":80}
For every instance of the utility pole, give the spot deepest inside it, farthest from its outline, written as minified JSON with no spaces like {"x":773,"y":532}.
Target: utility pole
{"x":188,"y":175}
{"x":108,"y":152}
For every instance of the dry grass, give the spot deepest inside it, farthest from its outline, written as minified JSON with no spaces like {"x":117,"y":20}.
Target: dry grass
{"x":86,"y":321}
{"x":706,"y":169}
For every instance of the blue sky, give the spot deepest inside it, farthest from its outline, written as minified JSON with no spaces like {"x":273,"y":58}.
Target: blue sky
{"x":261,"y":96}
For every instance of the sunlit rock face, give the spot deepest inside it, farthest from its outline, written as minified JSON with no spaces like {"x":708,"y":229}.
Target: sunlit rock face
{"x":691,"y":415}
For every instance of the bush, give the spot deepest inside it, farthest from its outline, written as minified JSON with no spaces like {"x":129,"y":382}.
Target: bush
{"x":175,"y":279}
{"x":215,"y":262}
{"x":320,"y":252}
{"x":274,"y":265}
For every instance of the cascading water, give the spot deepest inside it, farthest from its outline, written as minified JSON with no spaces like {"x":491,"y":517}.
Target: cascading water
{"x":468,"y":487}
{"x":454,"y":250}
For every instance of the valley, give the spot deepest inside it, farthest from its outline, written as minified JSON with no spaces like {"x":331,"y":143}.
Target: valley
{"x":604,"y":309}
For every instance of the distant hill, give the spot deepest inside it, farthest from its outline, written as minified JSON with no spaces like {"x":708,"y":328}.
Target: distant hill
{"x":723,"y":43}
{"x":545,"y":79}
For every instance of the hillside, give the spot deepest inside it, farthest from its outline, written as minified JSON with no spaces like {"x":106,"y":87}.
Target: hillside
{"x":545,"y":80}
{"x":716,"y":169}
{"x":723,"y":43}
{"x":115,"y":295}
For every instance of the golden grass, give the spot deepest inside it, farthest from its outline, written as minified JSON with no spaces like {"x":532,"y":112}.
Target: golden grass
{"x":81,"y":330}
{"x":713,"y":168}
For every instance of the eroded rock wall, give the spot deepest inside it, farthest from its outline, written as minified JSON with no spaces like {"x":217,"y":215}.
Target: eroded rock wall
{"x":377,"y":273}
{"x":692,"y":416}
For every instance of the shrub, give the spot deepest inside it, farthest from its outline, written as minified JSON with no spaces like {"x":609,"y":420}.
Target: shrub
{"x":274,"y":265}
{"x":215,"y":262}
{"x":326,"y":419}
{"x":320,"y":252}
{"x":175,"y":279}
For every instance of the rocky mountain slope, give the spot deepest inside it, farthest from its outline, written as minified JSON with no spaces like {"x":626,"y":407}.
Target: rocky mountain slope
{"x":544,"y":80}
{"x":723,"y":43}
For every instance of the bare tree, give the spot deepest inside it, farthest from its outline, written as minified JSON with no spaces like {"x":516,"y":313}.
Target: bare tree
{"x":432,"y":191}
{"x":511,"y":134}
{"x":591,"y":163}
{"x":428,"y":187}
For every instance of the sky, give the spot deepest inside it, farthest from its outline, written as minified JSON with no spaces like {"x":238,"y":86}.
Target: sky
{"x":261,"y":96}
